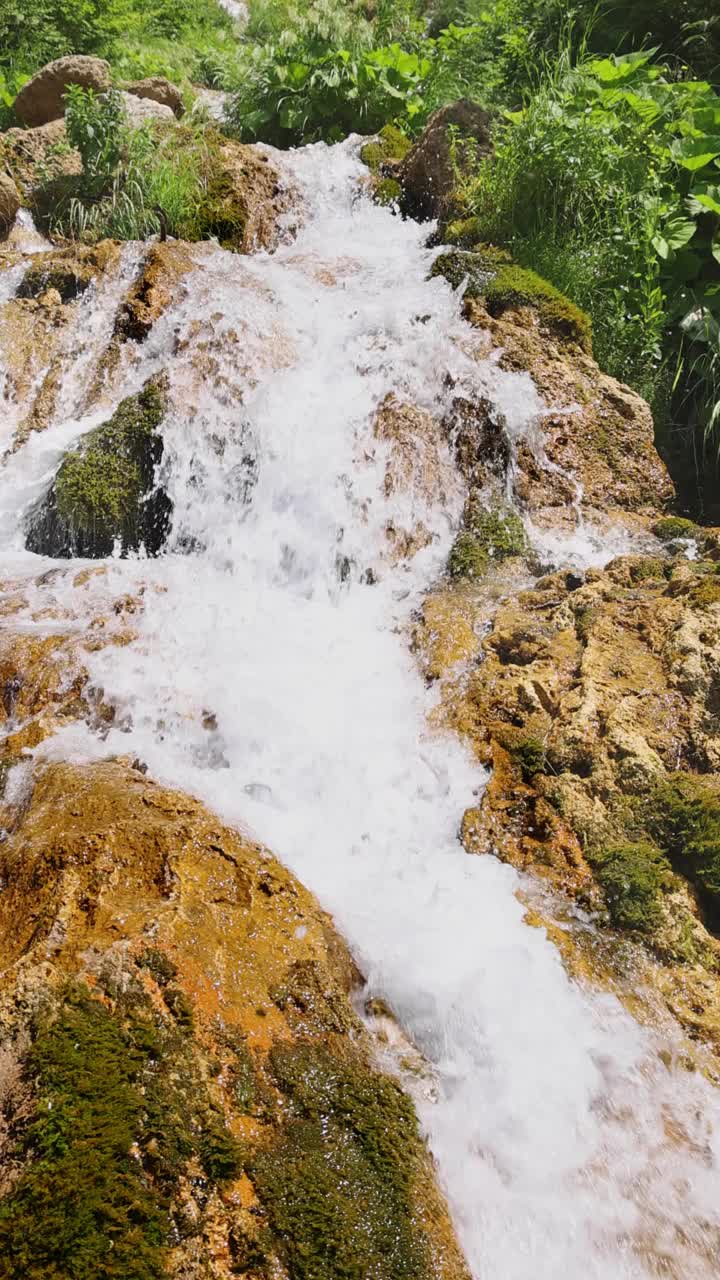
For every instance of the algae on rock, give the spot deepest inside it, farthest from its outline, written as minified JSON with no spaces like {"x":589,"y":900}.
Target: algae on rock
{"x":104,"y":492}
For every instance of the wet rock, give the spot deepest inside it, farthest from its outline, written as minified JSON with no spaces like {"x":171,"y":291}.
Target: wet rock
{"x":594,"y":702}
{"x":178,"y":998}
{"x":594,"y":449}
{"x":104,"y":492}
{"x":453,"y":137}
{"x":244,"y":198}
{"x":163,"y":268}
{"x":9,"y":203}
{"x":157,"y":89}
{"x":418,"y":467}
{"x":42,"y":98}
{"x":67,"y":271}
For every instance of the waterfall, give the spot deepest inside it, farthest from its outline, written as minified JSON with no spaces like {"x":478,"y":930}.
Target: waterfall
{"x":271,"y":675}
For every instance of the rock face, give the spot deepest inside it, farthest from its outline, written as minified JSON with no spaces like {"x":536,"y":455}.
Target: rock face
{"x":177,"y":1004}
{"x":428,"y":173}
{"x":157,"y":89}
{"x":42,"y":98}
{"x":590,"y":694}
{"x":104,"y":492}
{"x":9,"y":203}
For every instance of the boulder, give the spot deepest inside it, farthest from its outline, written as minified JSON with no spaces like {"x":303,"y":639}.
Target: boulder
{"x":452,"y":137}
{"x":157,"y":89}
{"x":9,"y":203}
{"x":175,"y":999}
{"x":42,"y":98}
{"x":139,"y":110}
{"x":104,"y":491}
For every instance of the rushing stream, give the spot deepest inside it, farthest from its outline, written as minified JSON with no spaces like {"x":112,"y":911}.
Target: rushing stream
{"x":272,"y":677}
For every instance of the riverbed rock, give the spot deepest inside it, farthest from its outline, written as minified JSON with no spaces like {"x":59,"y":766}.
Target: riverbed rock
{"x":164,"y":266}
{"x":592,"y":699}
{"x":104,"y":493}
{"x":9,"y":203}
{"x":172,"y":996}
{"x":43,"y":97}
{"x":593,"y":451}
{"x":453,"y":137}
{"x":157,"y":89}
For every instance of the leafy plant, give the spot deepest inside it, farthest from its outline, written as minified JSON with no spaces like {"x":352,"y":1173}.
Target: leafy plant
{"x":286,"y":98}
{"x":608,"y":183}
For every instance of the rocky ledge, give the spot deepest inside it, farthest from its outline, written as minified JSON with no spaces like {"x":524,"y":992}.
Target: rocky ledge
{"x":183,"y":1071}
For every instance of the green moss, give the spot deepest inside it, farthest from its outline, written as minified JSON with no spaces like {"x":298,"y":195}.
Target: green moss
{"x":220,"y":1152}
{"x":389,"y":147}
{"x":82,"y":1207}
{"x":530,"y":755}
{"x":633,"y":877}
{"x":463,"y":269}
{"x":706,"y":590}
{"x":683,"y":816}
{"x":489,"y":535}
{"x":100,"y":493}
{"x":517,"y":287}
{"x":674,"y":527}
{"x":337,"y":1185}
{"x":387,"y":191}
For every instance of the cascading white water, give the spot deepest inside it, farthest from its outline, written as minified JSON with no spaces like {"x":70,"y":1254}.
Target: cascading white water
{"x":271,"y":676}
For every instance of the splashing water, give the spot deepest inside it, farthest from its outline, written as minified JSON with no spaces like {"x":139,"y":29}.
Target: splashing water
{"x":271,"y":676}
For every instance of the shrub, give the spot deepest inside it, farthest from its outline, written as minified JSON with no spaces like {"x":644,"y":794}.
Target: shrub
{"x":289,"y":96}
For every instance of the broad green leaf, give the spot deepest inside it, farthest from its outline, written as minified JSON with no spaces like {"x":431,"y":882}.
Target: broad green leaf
{"x":696,"y":153}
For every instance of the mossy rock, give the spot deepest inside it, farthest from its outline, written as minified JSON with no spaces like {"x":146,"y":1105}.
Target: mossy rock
{"x":464,"y":269}
{"x":633,"y":877}
{"x":337,"y":1184}
{"x":389,"y":147}
{"x":104,"y":492}
{"x":531,"y":756}
{"x":672,"y":528}
{"x":382,"y":155}
{"x":683,"y":816}
{"x":487,"y":273}
{"x":517,"y":287}
{"x":71,"y":279}
{"x":119,"y":1112}
{"x":488,"y":535}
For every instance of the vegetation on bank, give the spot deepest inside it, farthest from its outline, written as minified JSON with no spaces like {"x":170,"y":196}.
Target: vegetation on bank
{"x":605,"y":181}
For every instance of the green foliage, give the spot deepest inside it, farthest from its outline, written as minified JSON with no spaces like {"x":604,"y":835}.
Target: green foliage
{"x":608,"y":183}
{"x":159,"y":37}
{"x":633,"y":877}
{"x":135,"y":182}
{"x":96,"y":127}
{"x":290,"y":95}
{"x":337,"y":1184}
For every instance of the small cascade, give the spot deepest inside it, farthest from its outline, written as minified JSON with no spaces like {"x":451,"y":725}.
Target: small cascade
{"x":270,"y":674}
